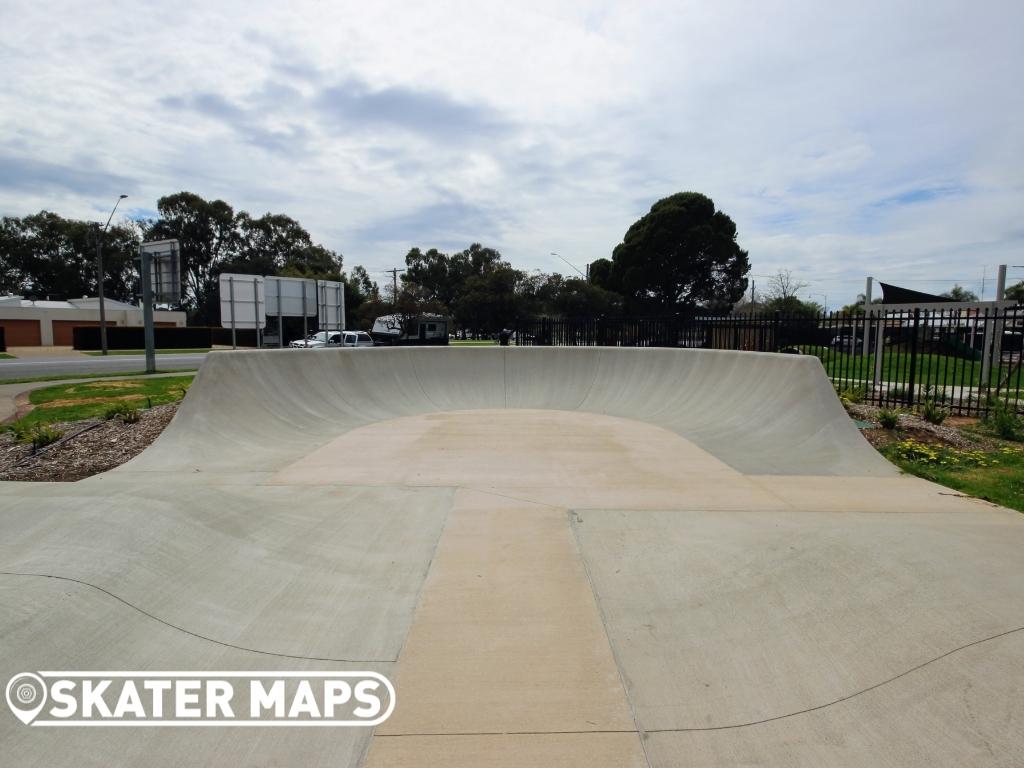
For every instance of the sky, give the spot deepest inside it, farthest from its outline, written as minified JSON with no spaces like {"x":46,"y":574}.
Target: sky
{"x":845,"y":140}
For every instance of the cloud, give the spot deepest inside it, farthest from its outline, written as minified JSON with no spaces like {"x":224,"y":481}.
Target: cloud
{"x":430,"y":114}
{"x":919,"y":195}
{"x":447,"y":224}
{"x":22,"y":174}
{"x":871,"y":138}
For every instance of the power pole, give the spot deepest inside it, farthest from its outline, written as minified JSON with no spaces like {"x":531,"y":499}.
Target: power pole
{"x":99,"y":274}
{"x":394,"y":285}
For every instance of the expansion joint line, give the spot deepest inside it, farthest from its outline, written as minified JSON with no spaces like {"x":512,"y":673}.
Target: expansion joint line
{"x":731,"y":726}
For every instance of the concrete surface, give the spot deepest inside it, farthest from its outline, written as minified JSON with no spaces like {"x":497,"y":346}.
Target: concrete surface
{"x":561,"y":557}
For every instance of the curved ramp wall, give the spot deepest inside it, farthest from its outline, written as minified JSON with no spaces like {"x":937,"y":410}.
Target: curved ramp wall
{"x":760,"y":413}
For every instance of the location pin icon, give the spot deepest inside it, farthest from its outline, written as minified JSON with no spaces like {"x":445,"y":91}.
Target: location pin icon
{"x":26,"y":695}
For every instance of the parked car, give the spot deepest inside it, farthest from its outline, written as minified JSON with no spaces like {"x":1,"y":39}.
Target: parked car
{"x":348,"y":339}
{"x":310,"y":340}
{"x":845,"y":341}
{"x":334,"y":339}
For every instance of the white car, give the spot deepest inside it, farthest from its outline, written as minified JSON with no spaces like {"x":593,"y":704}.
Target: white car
{"x":309,"y":341}
{"x":345,"y":339}
{"x":334,"y":339}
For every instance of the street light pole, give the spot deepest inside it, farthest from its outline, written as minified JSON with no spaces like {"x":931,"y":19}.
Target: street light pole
{"x":585,"y":277}
{"x":99,"y":275}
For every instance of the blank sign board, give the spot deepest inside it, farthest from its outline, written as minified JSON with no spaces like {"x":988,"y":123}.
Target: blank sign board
{"x":331,"y":302}
{"x":164,"y":270}
{"x":243,"y":301}
{"x":290,"y":297}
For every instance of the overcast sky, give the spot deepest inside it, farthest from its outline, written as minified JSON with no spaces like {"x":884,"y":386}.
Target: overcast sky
{"x":882,"y":138}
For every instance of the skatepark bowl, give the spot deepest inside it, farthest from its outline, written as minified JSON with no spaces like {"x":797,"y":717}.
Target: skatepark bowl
{"x":560,"y":557}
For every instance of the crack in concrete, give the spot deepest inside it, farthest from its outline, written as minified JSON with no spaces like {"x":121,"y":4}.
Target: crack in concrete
{"x":197,"y":635}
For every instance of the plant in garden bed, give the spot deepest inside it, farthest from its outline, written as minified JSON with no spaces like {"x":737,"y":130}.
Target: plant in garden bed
{"x":129,"y":414}
{"x":888,"y":417}
{"x":932,"y":413}
{"x":910,"y":450}
{"x":853,"y":395}
{"x":1004,"y":420}
{"x":43,"y":435}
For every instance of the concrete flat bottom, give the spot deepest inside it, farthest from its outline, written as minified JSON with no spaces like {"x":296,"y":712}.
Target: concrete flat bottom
{"x":545,"y":585}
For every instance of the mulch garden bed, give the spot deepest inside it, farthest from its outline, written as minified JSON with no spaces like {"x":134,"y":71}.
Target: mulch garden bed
{"x":87,"y":448}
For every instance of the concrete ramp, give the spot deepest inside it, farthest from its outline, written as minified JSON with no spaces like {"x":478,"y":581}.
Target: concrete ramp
{"x":561,"y":557}
{"x":759,"y":413}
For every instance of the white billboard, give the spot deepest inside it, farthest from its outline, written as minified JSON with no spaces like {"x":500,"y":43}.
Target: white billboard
{"x":243,"y":301}
{"x":331,"y":304}
{"x":291,"y":297}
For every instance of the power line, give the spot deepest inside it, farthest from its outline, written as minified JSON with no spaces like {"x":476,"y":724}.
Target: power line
{"x":394,"y":281}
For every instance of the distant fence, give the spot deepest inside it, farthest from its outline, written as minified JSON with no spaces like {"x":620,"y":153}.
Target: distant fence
{"x":959,"y":358}
{"x":120,"y":337}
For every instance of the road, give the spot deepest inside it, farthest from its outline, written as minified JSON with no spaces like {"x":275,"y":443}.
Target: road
{"x":78,"y":364}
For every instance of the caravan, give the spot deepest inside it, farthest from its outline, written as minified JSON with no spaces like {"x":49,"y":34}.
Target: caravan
{"x":395,"y":330}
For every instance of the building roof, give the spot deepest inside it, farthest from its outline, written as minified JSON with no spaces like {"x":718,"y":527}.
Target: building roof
{"x":86,"y":302}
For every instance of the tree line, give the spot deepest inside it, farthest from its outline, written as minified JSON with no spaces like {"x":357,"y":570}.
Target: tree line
{"x":683,"y":255}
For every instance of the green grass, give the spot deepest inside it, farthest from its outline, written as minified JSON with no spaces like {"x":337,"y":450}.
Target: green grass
{"x":113,"y":375}
{"x":939,"y":370}
{"x":472,"y":343}
{"x":996,"y":476}
{"x":86,"y":400}
{"x":6,"y":356}
{"x":142,"y":352}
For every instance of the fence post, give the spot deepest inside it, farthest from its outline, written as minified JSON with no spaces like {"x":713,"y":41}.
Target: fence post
{"x":987,"y":355}
{"x":879,"y":352}
{"x":776,"y":343}
{"x":913,"y":358}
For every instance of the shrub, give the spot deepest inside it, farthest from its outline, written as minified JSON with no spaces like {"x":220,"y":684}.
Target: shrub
{"x":1003,"y":418}
{"x":932,"y":413}
{"x":42,"y":435}
{"x":853,"y":395}
{"x":129,"y":413}
{"x":936,"y":396}
{"x":22,"y":432}
{"x":888,"y":418}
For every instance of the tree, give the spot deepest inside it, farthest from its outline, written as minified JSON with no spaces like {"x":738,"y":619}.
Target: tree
{"x":600,"y":273}
{"x":794,"y":306}
{"x":492,"y":299}
{"x":435,"y":274}
{"x":857,"y":307}
{"x":1016,"y":292}
{"x":566,"y":297}
{"x":682,"y":254}
{"x":45,"y":255}
{"x":782,"y":286}
{"x":477,"y":287}
{"x":959,"y":293}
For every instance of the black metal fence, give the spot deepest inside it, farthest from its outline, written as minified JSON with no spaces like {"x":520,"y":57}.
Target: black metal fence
{"x":192,"y":337}
{"x":961,"y":359}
